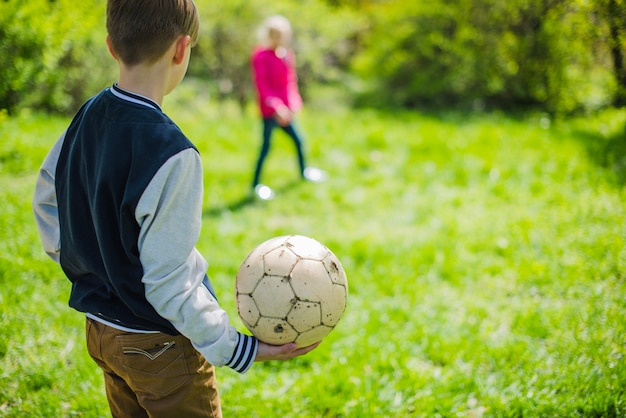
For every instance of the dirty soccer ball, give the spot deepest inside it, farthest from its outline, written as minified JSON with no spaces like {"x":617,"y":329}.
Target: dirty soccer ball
{"x":291,"y":289}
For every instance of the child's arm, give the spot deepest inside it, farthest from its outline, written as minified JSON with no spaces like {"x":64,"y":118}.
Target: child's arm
{"x":170,"y":216}
{"x":264,"y":72}
{"x":281,"y":352}
{"x":45,"y":203}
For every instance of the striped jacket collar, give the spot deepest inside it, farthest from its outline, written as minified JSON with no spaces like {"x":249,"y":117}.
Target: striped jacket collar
{"x":134,"y":98}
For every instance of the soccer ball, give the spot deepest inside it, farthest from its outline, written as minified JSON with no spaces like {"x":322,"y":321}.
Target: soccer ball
{"x":291,"y":289}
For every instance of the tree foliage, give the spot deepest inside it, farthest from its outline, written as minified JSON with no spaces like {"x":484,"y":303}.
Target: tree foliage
{"x":51,"y":53}
{"x":614,"y":13}
{"x":559,"y":56}
{"x":540,"y":53}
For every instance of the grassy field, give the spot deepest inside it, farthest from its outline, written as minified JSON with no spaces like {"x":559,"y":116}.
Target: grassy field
{"x":485,"y":256}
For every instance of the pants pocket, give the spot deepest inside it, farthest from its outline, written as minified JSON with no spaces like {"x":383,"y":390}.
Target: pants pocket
{"x":153,"y":363}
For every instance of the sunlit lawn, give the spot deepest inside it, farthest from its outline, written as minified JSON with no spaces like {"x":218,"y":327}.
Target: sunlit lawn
{"x":485,"y":256}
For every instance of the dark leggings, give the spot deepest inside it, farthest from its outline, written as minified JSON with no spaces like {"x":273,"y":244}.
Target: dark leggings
{"x":268,"y":127}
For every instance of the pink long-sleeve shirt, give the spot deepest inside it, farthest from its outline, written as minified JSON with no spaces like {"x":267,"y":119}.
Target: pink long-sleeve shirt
{"x":276,"y":81}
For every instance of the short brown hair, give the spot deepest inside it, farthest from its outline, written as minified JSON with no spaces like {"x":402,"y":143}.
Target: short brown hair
{"x":142,"y":30}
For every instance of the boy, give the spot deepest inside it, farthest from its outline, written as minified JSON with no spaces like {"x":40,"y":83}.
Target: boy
{"x":118,"y":203}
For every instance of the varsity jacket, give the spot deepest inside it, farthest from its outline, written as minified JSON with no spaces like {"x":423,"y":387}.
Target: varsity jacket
{"x":118,"y":203}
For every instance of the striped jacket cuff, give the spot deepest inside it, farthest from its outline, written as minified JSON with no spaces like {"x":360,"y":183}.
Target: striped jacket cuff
{"x":244,"y":355}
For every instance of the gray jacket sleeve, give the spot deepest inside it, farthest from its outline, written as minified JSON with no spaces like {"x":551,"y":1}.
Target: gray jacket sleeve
{"x":169,"y":213}
{"x":45,"y":203}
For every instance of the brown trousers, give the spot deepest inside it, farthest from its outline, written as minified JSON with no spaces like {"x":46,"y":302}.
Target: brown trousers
{"x":153,"y":375}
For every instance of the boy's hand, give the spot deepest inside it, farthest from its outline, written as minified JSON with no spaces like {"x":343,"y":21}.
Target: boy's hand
{"x":267,"y":352}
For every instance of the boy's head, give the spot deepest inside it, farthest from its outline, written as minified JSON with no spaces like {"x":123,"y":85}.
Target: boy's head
{"x":141,"y":31}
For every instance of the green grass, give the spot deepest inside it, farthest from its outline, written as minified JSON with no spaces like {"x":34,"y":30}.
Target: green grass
{"x":485,"y":256}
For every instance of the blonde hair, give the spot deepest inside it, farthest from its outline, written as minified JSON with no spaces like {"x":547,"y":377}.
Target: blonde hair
{"x":273,"y":24}
{"x":142,"y":30}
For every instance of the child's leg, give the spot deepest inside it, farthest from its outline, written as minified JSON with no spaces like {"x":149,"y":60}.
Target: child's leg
{"x":268,"y":127}
{"x":122,"y":400}
{"x":156,"y":375}
{"x":298,"y":142}
{"x":196,"y":396}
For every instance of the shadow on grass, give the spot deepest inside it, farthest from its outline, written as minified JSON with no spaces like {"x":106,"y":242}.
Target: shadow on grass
{"x":247,"y":201}
{"x":607,"y":152}
{"x":233,"y":206}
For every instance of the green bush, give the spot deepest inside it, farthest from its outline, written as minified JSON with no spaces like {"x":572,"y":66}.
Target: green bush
{"x":56,"y":57}
{"x":53,"y":53}
{"x":480,"y":53}
{"x":556,"y":56}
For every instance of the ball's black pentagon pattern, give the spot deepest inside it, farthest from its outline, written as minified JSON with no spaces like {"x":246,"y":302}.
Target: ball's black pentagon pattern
{"x":291,"y":289}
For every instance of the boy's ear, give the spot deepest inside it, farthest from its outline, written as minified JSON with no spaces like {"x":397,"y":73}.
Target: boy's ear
{"x":111,"y":48}
{"x":182,"y":43}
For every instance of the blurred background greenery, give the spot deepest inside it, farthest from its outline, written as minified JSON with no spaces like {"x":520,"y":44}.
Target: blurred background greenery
{"x":559,"y":56}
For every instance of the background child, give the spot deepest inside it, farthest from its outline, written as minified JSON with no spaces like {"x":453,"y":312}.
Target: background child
{"x":118,"y":203}
{"x":276,"y":82}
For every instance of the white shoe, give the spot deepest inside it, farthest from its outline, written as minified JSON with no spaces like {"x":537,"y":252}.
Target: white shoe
{"x":263,"y":192}
{"x":314,"y":175}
